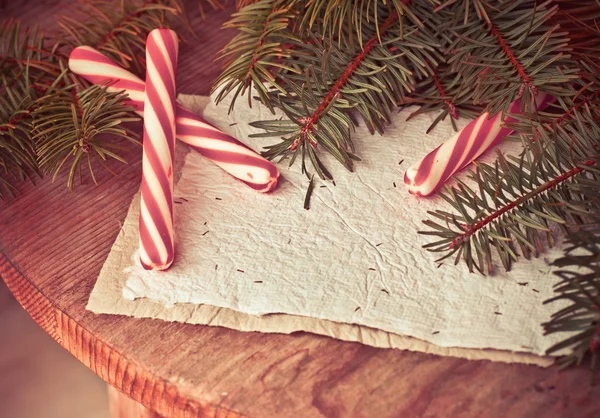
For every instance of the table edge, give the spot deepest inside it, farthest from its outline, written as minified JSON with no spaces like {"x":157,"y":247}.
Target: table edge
{"x":112,"y":366}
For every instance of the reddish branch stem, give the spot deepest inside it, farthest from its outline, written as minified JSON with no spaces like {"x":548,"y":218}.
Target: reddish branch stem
{"x":11,"y":123}
{"x":559,"y":120}
{"x":548,"y":185}
{"x":513,"y":59}
{"x":471,"y":230}
{"x":22,"y":61}
{"x":261,"y":41}
{"x":123,"y":22}
{"x":440,"y":88}
{"x":354,"y":64}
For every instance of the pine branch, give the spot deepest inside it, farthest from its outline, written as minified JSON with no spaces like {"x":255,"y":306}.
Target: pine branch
{"x":579,"y":18}
{"x":334,"y":83}
{"x":118,"y":31}
{"x":580,"y":287}
{"x":255,"y":54}
{"x":79,"y":124}
{"x":349,"y":17}
{"x":23,"y":63}
{"x":516,"y":199}
{"x":514,"y":54}
{"x":24,"y":52}
{"x":50,"y":117}
{"x":444,"y":90}
{"x":465,"y":11}
{"x":220,"y":4}
{"x":17,"y":155}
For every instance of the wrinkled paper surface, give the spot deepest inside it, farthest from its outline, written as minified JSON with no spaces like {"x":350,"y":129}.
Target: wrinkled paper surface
{"x":353,"y":258}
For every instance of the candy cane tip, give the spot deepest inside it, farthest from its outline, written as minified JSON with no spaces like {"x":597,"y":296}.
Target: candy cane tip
{"x":414,"y":189}
{"x":271,"y":185}
{"x":76,"y":60}
{"x":77,"y":50}
{"x":162,"y":31}
{"x":155,"y":34}
{"x":409,"y":175}
{"x":156,"y":267}
{"x":418,"y":193}
{"x":83,"y":48}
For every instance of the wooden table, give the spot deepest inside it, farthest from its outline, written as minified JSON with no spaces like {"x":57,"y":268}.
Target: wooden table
{"x":53,"y":244}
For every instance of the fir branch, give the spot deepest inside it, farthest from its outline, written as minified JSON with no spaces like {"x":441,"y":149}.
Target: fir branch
{"x":517,"y":199}
{"x":21,"y":49}
{"x":23,"y":63}
{"x":516,"y":52}
{"x":257,"y":51}
{"x":579,"y":18}
{"x":335,"y":82}
{"x":349,"y":17}
{"x":23,"y":53}
{"x":480,"y":7}
{"x":79,"y":125}
{"x":239,"y":4}
{"x":469,"y":230}
{"x":220,"y":4}
{"x":118,"y":31}
{"x":17,"y":154}
{"x":580,"y":287}
{"x":49,"y":116}
{"x":334,"y":91}
{"x":444,"y":90}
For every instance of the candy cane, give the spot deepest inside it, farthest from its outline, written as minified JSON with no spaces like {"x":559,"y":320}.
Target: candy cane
{"x":429,"y":174}
{"x":228,"y":153}
{"x":156,"y":204}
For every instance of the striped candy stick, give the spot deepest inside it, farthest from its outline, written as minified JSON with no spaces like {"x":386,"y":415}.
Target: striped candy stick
{"x":228,"y":153}
{"x":429,"y":174}
{"x":156,"y":206}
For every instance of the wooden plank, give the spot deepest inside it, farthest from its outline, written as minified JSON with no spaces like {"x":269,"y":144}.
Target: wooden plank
{"x":53,"y":244}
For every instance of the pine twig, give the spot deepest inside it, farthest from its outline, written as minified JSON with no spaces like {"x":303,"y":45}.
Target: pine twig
{"x":96,"y":116}
{"x":334,"y":83}
{"x":514,"y":53}
{"x":49,"y":117}
{"x":254,"y":55}
{"x":579,"y":271}
{"x":552,"y":181}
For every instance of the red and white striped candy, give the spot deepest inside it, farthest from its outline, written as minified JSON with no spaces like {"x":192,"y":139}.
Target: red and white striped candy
{"x":228,"y":153}
{"x":429,"y":174}
{"x":156,"y":206}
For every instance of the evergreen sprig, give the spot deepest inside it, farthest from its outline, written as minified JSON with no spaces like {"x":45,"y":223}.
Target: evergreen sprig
{"x":347,"y":20}
{"x":76,"y":124}
{"x":444,"y":90}
{"x":117,"y":30}
{"x":51,"y":118}
{"x":512,"y":203}
{"x":458,"y":56}
{"x":514,"y":54}
{"x":258,"y":51}
{"x":333,"y":84}
{"x":579,"y":287}
{"x":23,"y":50}
{"x":17,"y":154}
{"x":23,"y":64}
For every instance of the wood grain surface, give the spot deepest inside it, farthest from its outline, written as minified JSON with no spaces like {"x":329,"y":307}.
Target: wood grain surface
{"x":53,"y":244}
